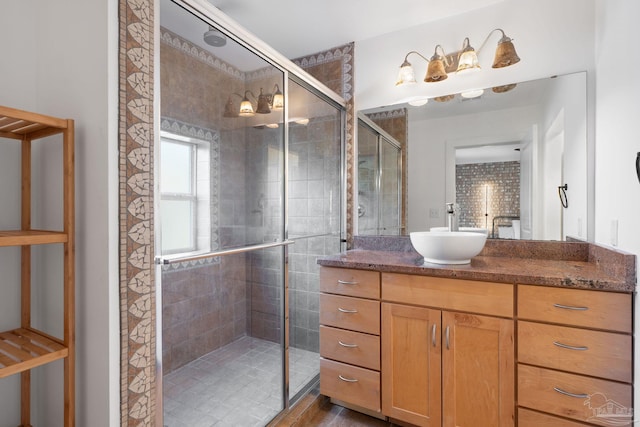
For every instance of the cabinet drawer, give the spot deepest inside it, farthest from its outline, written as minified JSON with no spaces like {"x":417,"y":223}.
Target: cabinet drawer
{"x":576,"y":307}
{"x":350,"y":347}
{"x":346,"y":281}
{"x":599,"y":354}
{"x":351,"y":384}
{"x":527,"y":418}
{"x":355,"y":314}
{"x":495,"y":299}
{"x":542,"y":389}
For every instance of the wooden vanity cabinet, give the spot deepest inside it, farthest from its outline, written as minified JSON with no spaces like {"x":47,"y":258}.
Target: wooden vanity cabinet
{"x":574,"y":356}
{"x":350,"y":336}
{"x":447,"y":358}
{"x":441,"y":352}
{"x":412,"y":364}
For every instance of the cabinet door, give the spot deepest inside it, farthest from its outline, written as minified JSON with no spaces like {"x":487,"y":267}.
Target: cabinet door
{"x":478,"y":371}
{"x":411,"y":364}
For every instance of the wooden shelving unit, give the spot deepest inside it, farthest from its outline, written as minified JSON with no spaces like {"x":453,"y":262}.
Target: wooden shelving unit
{"x":25,"y":347}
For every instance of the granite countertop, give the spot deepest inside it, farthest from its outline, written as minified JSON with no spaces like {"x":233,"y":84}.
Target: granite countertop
{"x":565,"y":264}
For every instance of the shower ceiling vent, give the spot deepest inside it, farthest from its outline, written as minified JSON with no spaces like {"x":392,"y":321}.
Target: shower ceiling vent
{"x":214,"y":37}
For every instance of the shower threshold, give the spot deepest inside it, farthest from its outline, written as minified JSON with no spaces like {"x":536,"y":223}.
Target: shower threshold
{"x":239,"y":384}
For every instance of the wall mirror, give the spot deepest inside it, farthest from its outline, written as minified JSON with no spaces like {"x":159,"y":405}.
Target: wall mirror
{"x":514,"y":159}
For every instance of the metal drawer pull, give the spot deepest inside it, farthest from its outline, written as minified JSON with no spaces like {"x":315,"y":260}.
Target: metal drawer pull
{"x":344,"y":310}
{"x":433,"y":335}
{"x":570,"y":307}
{"x":566,"y":393}
{"x":346,"y":282}
{"x":347,"y":345}
{"x":349,"y":380}
{"x":446,"y":335}
{"x":570,"y":347}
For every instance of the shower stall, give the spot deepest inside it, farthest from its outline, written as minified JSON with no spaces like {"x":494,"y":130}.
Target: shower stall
{"x":249,"y":193}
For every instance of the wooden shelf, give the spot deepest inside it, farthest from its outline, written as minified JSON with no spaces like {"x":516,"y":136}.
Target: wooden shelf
{"x":17,"y":124}
{"x":31,"y":237}
{"x":23,"y":349}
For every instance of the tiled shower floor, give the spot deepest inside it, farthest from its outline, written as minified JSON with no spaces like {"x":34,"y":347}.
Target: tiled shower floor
{"x":237,"y":385}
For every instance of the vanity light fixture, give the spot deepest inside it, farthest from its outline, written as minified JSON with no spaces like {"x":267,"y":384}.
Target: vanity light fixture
{"x":277,"y":100}
{"x":435,"y":70}
{"x":504,"y":88}
{"x":461,"y":62}
{"x":468,"y":59}
{"x":230,"y":110}
{"x":444,"y":98}
{"x":246,"y":109}
{"x":406,"y":75}
{"x":418,"y":102}
{"x":265,"y":103}
{"x":470,"y":94}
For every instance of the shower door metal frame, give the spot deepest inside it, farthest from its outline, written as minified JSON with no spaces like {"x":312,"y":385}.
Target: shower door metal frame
{"x":213,"y":16}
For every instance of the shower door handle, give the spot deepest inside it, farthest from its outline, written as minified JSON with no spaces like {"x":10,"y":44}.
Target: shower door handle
{"x":172,"y":260}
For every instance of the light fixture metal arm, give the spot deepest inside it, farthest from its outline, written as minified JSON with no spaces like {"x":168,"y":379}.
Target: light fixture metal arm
{"x":442,"y":56}
{"x":406,"y":57}
{"x":504,"y":37}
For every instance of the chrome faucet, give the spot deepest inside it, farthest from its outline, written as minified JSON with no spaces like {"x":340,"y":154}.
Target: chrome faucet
{"x":452,"y":218}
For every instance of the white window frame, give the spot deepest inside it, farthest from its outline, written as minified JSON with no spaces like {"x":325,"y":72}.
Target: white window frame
{"x":200,"y":233}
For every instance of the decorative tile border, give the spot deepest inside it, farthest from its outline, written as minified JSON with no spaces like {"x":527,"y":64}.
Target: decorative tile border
{"x":204,"y":56}
{"x":383,"y":115}
{"x":137,"y":297}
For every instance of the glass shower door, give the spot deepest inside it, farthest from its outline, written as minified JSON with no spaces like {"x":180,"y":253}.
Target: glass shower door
{"x":379,"y":181}
{"x":221,"y":197}
{"x":390,"y":187}
{"x":315,"y":221}
{"x":368,"y":193}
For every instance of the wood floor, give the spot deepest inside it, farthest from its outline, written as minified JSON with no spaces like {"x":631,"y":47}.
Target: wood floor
{"x":330,"y":415}
{"x":315,"y":410}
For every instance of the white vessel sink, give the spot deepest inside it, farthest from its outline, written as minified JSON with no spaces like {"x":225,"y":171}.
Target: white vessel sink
{"x":448,"y":247}
{"x":472,"y":229}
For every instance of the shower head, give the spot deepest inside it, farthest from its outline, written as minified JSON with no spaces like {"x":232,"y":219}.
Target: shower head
{"x":214,"y":37}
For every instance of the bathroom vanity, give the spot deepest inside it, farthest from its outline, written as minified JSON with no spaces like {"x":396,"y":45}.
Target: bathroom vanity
{"x":528,"y":334}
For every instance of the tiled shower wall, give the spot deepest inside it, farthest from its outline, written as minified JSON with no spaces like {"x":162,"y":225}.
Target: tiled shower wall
{"x":262,"y":199}
{"x":487,"y":188}
{"x":314,"y":201}
{"x":204,"y":308}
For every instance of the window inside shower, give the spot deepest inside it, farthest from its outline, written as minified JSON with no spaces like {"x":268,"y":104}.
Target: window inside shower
{"x":245,"y":204}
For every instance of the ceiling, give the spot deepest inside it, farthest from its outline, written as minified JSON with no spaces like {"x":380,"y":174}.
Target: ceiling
{"x":298,"y":28}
